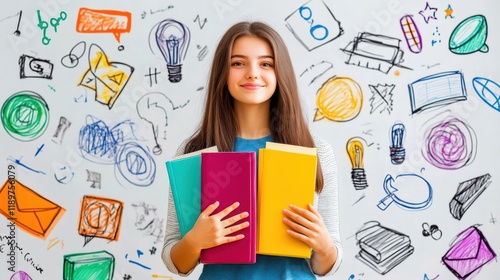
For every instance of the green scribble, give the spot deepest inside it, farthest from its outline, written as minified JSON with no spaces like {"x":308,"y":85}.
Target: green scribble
{"x":89,"y":266}
{"x":25,"y":115}
{"x":469,"y":36}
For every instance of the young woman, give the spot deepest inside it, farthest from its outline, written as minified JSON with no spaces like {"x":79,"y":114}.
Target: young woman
{"x":253,"y":98}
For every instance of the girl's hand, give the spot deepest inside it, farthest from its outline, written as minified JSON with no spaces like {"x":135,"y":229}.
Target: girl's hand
{"x":211,"y":230}
{"x":307,"y":226}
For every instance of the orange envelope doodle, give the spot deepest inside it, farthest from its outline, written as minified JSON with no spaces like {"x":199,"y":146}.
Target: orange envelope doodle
{"x":30,"y":211}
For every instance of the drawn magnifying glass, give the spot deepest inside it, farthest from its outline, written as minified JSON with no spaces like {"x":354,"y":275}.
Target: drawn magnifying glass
{"x":410,"y":191}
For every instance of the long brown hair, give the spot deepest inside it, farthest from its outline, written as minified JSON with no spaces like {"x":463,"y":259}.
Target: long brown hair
{"x":219,"y":125}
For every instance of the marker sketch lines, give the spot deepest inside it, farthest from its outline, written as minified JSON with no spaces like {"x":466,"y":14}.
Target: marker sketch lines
{"x":201,"y":23}
{"x":397,"y":149}
{"x":450,"y":144}
{"x":135,"y":165}
{"x":20,"y":275}
{"x":95,"y":178}
{"x":100,"y":217}
{"x":382,"y":248}
{"x":25,"y":115}
{"x":63,"y":125}
{"x":355,"y":150}
{"x":31,"y":67}
{"x":488,"y":90}
{"x":437,"y":90}
{"x":33,"y":213}
{"x":376,"y":52}
{"x":467,"y":193}
{"x":107,"y":78}
{"x":103,"y":21}
{"x":339,"y":99}
{"x":313,"y":24}
{"x":411,"y":33}
{"x":409,"y":191}
{"x":89,"y":265}
{"x":71,"y":60}
{"x":147,"y":221}
{"x":116,"y":146}
{"x":469,"y":251}
{"x":432,"y":231}
{"x":381,"y":99}
{"x":469,"y":36}
{"x":315,"y":71}
{"x":173,"y":39}
{"x":152,"y":107}
{"x":428,"y":13}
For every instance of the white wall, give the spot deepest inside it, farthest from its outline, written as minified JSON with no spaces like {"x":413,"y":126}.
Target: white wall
{"x":48,"y":158}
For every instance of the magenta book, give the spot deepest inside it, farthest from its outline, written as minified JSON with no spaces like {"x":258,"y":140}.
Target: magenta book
{"x":230,"y":177}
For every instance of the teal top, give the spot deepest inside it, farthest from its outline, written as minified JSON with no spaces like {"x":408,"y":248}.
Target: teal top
{"x":266,"y":267}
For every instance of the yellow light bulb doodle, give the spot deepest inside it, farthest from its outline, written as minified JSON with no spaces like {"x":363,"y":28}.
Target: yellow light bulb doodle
{"x":339,"y":99}
{"x":355,"y":150}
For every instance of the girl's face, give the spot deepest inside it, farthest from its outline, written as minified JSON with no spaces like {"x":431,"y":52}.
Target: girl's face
{"x":252,"y":79}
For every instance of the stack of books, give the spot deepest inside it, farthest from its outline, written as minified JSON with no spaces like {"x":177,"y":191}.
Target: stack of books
{"x":284,"y":175}
{"x":382,"y":248}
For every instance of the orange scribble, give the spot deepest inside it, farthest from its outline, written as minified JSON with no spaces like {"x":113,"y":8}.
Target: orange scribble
{"x":103,"y":21}
{"x":100,"y":217}
{"x":397,"y":73}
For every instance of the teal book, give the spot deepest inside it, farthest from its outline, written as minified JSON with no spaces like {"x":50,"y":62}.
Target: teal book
{"x":184,"y":174}
{"x":85,"y":266}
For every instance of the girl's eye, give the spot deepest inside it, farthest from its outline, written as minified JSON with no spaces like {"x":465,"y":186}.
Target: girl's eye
{"x":237,"y":63}
{"x":267,"y":64}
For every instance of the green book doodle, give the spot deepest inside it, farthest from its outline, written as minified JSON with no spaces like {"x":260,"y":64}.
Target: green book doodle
{"x":89,"y":266}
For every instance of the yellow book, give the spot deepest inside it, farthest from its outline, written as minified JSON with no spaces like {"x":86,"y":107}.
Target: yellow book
{"x":286,"y":175}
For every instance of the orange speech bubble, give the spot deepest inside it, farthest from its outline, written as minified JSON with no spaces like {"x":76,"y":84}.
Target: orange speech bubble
{"x":103,"y":21}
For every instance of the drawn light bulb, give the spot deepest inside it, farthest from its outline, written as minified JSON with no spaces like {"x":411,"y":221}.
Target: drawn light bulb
{"x":355,"y":150}
{"x":172,"y":38}
{"x":397,"y":151}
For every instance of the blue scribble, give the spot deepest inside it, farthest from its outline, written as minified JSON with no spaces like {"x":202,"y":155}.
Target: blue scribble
{"x":117,"y":146}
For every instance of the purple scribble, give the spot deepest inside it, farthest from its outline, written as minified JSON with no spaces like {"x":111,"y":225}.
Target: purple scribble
{"x":20,"y":275}
{"x":468,"y":253}
{"x":450,"y":144}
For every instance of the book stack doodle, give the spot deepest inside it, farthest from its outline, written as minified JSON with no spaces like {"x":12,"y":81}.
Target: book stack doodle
{"x":382,"y":248}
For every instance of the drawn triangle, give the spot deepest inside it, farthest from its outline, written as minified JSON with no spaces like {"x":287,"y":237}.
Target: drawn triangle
{"x":117,"y":78}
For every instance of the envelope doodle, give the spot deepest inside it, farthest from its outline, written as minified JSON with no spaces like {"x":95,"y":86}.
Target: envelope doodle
{"x":32,"y":212}
{"x":468,"y":253}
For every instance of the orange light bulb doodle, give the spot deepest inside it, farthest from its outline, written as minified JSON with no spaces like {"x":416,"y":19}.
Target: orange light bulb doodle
{"x":355,"y":150}
{"x":339,"y":99}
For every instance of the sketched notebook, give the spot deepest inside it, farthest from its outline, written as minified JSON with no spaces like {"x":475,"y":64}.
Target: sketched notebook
{"x":230,"y":177}
{"x":184,"y":174}
{"x":286,"y":175}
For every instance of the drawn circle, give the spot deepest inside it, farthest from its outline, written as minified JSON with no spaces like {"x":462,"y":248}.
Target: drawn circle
{"x":136,"y":165}
{"x":450,"y":145}
{"x":121,"y":47}
{"x":96,"y":218}
{"x":70,"y":60}
{"x":339,"y":99}
{"x":25,"y":115}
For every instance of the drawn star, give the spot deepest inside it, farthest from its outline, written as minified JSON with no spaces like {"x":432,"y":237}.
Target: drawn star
{"x":428,"y":13}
